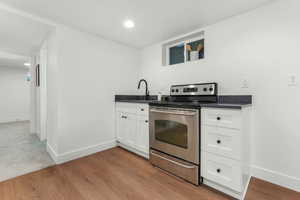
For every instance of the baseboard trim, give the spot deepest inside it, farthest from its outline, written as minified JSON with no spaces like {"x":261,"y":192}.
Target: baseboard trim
{"x":140,"y":153}
{"x":72,"y":155}
{"x":221,"y":188}
{"x":52,"y":153}
{"x":14,"y":121}
{"x":277,"y":178}
{"x":246,"y":187}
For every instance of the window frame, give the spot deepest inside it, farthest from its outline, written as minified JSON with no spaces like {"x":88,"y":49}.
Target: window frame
{"x":185,"y":40}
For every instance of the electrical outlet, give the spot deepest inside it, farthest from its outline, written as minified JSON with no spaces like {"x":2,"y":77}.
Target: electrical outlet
{"x":292,"y":80}
{"x":245,"y":84}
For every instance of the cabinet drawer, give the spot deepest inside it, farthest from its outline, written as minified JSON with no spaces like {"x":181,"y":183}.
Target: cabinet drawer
{"x":221,"y":141}
{"x":143,"y":109}
{"x":126,"y":107}
{"x":224,"y":171}
{"x":221,"y":118}
{"x":180,"y":168}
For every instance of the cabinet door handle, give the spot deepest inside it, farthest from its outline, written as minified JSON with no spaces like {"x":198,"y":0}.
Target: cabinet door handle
{"x":218,"y":118}
{"x":146,"y":121}
{"x":219,"y":141}
{"x":219,"y":170}
{"x":124,"y":117}
{"x":142,"y":109}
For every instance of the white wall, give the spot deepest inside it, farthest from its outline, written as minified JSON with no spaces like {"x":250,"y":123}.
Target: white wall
{"x":52,"y":92}
{"x":33,"y":103}
{"x":261,"y":46}
{"x":14,"y":94}
{"x":88,"y":73}
{"x":39,"y":98}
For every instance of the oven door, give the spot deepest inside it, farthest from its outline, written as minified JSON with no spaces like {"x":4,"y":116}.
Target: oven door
{"x":175,"y":132}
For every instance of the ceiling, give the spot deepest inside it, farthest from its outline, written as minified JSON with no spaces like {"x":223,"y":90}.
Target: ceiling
{"x":156,"y":20}
{"x":13,"y":60}
{"x":21,"y":35}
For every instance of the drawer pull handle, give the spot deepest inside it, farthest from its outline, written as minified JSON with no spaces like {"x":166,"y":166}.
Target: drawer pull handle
{"x":172,"y":161}
{"x":124,"y":117}
{"x":174,"y":112}
{"x":142,"y":109}
{"x":218,"y":118}
{"x":219,"y":141}
{"x":146,"y":121}
{"x":219,"y":170}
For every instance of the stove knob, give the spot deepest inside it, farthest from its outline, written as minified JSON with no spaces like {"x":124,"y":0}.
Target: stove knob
{"x":204,"y":89}
{"x":177,"y":90}
{"x":211,"y":89}
{"x":173,"y":90}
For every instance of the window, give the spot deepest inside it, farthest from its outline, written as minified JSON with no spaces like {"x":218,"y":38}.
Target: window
{"x":195,"y":50}
{"x":186,"y":49}
{"x":176,"y":54}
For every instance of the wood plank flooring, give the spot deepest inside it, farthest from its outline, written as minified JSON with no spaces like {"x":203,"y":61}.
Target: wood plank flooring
{"x":116,"y":174}
{"x":263,"y":190}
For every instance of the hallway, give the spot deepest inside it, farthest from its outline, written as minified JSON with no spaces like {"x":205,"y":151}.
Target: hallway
{"x":20,"y":151}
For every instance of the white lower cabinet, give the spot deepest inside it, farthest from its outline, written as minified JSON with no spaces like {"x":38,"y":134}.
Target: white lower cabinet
{"x":222,"y":170}
{"x":225,"y":150}
{"x":126,"y":128}
{"x":132,"y":127}
{"x":221,"y":141}
{"x":142,"y":136}
{"x":120,"y":126}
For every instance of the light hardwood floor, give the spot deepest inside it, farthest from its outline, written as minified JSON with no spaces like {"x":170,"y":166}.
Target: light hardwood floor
{"x":116,"y":174}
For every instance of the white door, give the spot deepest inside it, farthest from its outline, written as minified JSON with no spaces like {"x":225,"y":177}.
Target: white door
{"x":142,"y":142}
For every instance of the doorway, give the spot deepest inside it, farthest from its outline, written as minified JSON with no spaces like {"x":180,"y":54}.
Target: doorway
{"x":21,"y":149}
{"x":22,"y":105}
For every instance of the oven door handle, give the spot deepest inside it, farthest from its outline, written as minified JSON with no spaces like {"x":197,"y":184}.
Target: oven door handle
{"x":174,"y":162}
{"x":187,"y":113}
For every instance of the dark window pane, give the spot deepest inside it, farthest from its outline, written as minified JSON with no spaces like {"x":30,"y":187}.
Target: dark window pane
{"x":195,"y":50}
{"x":176,"y":54}
{"x":171,"y":132}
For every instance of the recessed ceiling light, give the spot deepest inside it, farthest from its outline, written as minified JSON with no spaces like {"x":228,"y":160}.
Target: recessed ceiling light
{"x":129,"y":24}
{"x":27,"y":64}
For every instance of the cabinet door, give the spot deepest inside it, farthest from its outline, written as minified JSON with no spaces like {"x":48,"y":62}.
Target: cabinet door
{"x":120,"y":127}
{"x":142,"y":142}
{"x":126,"y":128}
{"x":130,"y":129}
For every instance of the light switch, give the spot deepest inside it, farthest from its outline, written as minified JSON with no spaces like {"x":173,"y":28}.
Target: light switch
{"x":292,"y":80}
{"x":245,"y":84}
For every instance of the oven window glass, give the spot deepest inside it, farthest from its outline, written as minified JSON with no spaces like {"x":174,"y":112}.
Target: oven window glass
{"x":171,"y":132}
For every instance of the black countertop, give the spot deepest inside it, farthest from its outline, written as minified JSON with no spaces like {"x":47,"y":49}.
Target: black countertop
{"x":137,"y":101}
{"x":231,"y":102}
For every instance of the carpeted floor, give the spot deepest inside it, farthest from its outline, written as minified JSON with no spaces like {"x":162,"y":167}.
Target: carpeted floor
{"x":20,"y":151}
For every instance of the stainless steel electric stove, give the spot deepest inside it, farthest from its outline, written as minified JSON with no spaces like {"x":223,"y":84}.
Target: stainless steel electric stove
{"x":175,"y":129}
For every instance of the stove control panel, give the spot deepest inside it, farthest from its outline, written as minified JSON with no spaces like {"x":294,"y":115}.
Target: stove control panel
{"x":201,"y":89}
